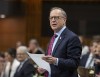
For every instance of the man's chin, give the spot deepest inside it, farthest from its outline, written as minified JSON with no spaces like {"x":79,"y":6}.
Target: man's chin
{"x":54,"y":28}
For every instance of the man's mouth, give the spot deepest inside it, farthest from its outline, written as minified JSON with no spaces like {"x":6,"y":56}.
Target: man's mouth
{"x":54,"y":25}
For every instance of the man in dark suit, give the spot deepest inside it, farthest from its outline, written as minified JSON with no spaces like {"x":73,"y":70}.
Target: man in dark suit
{"x":64,"y":50}
{"x":25,"y":68}
{"x":97,"y":60}
{"x":87,"y":60}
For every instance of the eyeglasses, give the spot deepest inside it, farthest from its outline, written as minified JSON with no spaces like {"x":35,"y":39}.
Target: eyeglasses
{"x":55,"y":17}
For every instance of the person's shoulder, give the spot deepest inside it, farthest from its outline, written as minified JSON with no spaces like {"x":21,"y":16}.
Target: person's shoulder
{"x":28,"y":64}
{"x":38,"y":52}
{"x":70,"y":33}
{"x":15,"y":63}
{"x":86,"y":55}
{"x":28,"y":68}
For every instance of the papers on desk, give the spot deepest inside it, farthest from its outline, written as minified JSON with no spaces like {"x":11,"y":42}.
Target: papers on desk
{"x":37,"y":58}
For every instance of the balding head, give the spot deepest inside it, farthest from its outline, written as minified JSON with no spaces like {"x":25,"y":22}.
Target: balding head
{"x":23,"y":49}
{"x":62,"y":11}
{"x":21,"y":53}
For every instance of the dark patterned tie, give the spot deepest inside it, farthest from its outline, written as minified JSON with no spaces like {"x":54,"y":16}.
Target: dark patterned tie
{"x":51,"y":44}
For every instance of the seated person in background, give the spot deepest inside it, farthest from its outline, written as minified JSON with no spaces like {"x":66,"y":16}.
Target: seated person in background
{"x":97,"y":60}
{"x":2,"y":63}
{"x":11,"y":62}
{"x":97,"y":76}
{"x":34,"y":47}
{"x":85,"y":48}
{"x":87,"y":60}
{"x":19,"y":43}
{"x":25,"y":68}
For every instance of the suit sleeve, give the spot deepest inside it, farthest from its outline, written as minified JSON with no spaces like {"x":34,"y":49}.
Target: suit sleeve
{"x":73,"y":54}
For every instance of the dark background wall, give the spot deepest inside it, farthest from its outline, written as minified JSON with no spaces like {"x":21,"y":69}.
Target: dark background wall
{"x":83,"y":17}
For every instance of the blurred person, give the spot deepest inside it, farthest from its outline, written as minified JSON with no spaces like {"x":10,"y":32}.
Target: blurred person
{"x":19,"y":43}
{"x":97,"y":60}
{"x":64,"y":50}
{"x":34,"y":47}
{"x":11,"y":62}
{"x":97,"y":76}
{"x":25,"y":68}
{"x":2,"y":64}
{"x":85,"y":48}
{"x":87,"y":60}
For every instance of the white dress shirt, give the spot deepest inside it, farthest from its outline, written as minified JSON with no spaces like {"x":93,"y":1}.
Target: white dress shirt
{"x":14,"y":66}
{"x":90,"y":61}
{"x":56,"y":39}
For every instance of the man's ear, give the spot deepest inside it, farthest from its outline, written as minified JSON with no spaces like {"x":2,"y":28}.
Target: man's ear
{"x":65,"y":19}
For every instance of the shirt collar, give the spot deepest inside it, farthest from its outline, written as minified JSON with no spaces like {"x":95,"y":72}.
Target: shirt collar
{"x":59,"y":32}
{"x":24,"y":61}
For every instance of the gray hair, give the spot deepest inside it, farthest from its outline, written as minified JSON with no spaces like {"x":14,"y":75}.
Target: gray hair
{"x":22,"y":49}
{"x":63,"y":12}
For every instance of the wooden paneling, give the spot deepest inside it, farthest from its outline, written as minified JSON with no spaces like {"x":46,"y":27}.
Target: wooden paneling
{"x":34,"y":20}
{"x":34,"y":11}
{"x":11,"y":31}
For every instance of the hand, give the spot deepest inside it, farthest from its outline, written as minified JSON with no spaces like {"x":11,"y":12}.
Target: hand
{"x":50,"y":59}
{"x":41,"y":70}
{"x":97,"y":61}
{"x":97,"y":75}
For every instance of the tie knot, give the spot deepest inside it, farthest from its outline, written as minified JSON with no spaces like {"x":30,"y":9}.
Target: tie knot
{"x":55,"y":35}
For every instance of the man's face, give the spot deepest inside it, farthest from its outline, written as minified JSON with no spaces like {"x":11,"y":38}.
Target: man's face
{"x":8,"y":57}
{"x":98,"y":50}
{"x":2,"y":60}
{"x":57,"y":20}
{"x":32,"y":46}
{"x":21,"y":56}
{"x":94,"y":46}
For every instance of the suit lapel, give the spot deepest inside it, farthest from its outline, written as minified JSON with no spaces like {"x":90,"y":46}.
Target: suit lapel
{"x":57,"y":44}
{"x":59,"y":41}
{"x":23,"y":66}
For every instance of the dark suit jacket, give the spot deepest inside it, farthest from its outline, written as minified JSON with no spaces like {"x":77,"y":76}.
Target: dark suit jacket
{"x":97,"y":66}
{"x":68,"y":51}
{"x":84,"y":59}
{"x":27,"y":70}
